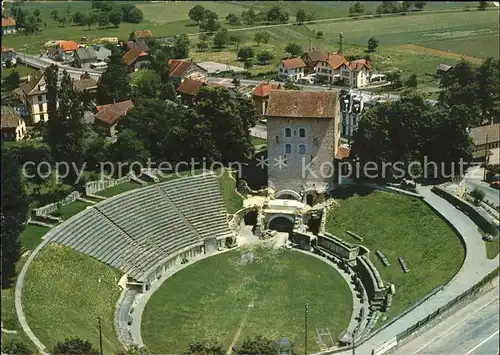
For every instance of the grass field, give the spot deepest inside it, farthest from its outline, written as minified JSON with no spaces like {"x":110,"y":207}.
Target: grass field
{"x":401,"y":226}
{"x":492,"y":248}
{"x":255,"y":298}
{"x":71,"y":209}
{"x":65,"y":292}
{"x":118,"y":189}
{"x":256,"y":141}
{"x":31,"y":236}
{"x":233,"y":201}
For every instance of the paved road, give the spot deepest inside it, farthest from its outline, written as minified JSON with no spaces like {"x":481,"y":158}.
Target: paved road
{"x":472,"y":330}
{"x":473,"y":179}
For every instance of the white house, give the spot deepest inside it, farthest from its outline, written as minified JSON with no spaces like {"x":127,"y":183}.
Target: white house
{"x":328,"y":69}
{"x":13,"y":126}
{"x":291,"y":69}
{"x":34,"y":93}
{"x":356,"y":73}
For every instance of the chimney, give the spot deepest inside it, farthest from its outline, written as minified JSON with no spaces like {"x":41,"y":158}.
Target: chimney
{"x":341,"y":41}
{"x":310,"y":44}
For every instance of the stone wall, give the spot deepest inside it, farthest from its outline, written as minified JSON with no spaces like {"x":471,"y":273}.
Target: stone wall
{"x":46,"y":210}
{"x":338,"y":246}
{"x":369,"y":275}
{"x":92,"y":187}
{"x":486,"y":222}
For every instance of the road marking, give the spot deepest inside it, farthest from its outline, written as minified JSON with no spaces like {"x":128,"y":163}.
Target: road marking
{"x":481,"y":343}
{"x":456,"y":325}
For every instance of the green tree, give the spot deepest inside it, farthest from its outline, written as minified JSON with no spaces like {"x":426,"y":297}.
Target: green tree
{"x":412,"y":82}
{"x":16,"y":348}
{"x":211,"y":347}
{"x":249,"y":17}
{"x":248,"y":64}
{"x":145,"y":83}
{"x":89,"y":20}
{"x":356,"y":9}
{"x":258,"y":345}
{"x":12,"y":81}
{"x":181,"y":46}
{"x":277,"y":15}
{"x":210,"y":24}
{"x":419,"y":5}
{"x":233,"y":19}
{"x":264,"y":57}
{"x":221,"y":38}
{"x":31,"y":25}
{"x":128,"y":148}
{"x":478,"y":195}
{"x":300,"y":16}
{"x":202,"y":46}
{"x":262,"y":37}
{"x":54,"y":14}
{"x":294,"y":49}
{"x":36,"y":13}
{"x":74,"y":346}
{"x":103,"y":20}
{"x":13,"y":215}
{"x":488,"y":77}
{"x":236,"y":40}
{"x":246,"y":53}
{"x":406,"y":5}
{"x":372,"y":44}
{"x":483,"y":5}
{"x":114,"y":82}
{"x":319,"y":34}
{"x":134,"y":16}
{"x":79,"y":18}
{"x":395,"y":79}
{"x":116,"y":17}
{"x":236,"y":82}
{"x":197,"y":13}
{"x":134,"y":350}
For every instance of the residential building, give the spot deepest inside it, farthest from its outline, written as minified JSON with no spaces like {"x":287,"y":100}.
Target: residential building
{"x":180,"y":69}
{"x":8,"y":25}
{"x":136,"y":59}
{"x":260,"y":96}
{"x":328,"y":69}
{"x":486,"y":140}
{"x":141,"y":44}
{"x":64,"y":49}
{"x":443,"y":68}
{"x":141,"y":34}
{"x":85,"y":83}
{"x":108,"y":116}
{"x":34,"y":94}
{"x":302,"y":139}
{"x":312,"y":57}
{"x":8,"y":54}
{"x":189,"y":88}
{"x":13,"y":126}
{"x":84,"y":57}
{"x":291,"y":69}
{"x":356,"y":73}
{"x":102,"y":53}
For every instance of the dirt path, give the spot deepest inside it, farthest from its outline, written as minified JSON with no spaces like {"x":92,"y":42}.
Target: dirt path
{"x":240,"y":329}
{"x":439,"y":53}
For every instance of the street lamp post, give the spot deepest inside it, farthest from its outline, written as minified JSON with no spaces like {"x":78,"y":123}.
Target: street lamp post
{"x":305,"y":328}
{"x":100,"y":334}
{"x":353,"y":345}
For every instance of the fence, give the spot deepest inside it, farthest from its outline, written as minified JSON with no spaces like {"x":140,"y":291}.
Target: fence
{"x":46,"y":210}
{"x":92,"y":187}
{"x":409,"y":331}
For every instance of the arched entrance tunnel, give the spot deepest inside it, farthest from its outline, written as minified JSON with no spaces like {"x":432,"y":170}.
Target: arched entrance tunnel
{"x":281,"y":224}
{"x":250,"y":218}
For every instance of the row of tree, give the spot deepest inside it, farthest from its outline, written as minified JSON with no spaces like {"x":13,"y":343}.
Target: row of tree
{"x":107,"y":13}
{"x":25,"y":21}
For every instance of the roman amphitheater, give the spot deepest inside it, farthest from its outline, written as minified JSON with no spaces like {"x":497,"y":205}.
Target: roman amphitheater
{"x":174,"y":265}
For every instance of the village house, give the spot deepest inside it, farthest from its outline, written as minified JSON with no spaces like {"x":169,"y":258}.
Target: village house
{"x":8,"y":25}
{"x":302,"y":131}
{"x":328,"y":69}
{"x":108,"y":116}
{"x":180,"y":69}
{"x":486,"y":140}
{"x":260,"y":96}
{"x":189,"y":88}
{"x":356,"y":73}
{"x":85,"y":83}
{"x":141,"y":34}
{"x":312,"y":57}
{"x":34,"y":95}
{"x":65,"y":50}
{"x":136,"y":59}
{"x":291,"y":69}
{"x":83,"y":57}
{"x":102,"y":53}
{"x":13,"y":126}
{"x":8,"y":54}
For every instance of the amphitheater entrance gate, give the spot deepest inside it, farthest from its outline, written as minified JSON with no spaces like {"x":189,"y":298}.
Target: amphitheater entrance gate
{"x":211,"y":245}
{"x":281,"y":224}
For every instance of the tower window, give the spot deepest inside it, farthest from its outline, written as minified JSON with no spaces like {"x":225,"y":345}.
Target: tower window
{"x":288,"y":149}
{"x":302,"y":132}
{"x":288,"y":132}
{"x":302,"y":149}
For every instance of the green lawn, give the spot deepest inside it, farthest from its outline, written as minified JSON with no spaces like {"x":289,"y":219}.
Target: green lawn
{"x":233,"y":201}
{"x":65,"y":292}
{"x":256,"y":141}
{"x":492,"y":248}
{"x":481,"y":46}
{"x":118,"y":189}
{"x":401,"y":226}
{"x":71,"y":209}
{"x":265,"y":296}
{"x":31,"y":236}
{"x":21,"y":69}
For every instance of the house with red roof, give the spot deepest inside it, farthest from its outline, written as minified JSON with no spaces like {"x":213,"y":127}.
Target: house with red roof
{"x":327,"y":69}
{"x":13,"y":127}
{"x":180,"y":69}
{"x":260,"y":95}
{"x":356,"y":73}
{"x":8,"y":25}
{"x":136,"y":59}
{"x":108,"y":116}
{"x":189,"y":88}
{"x":291,"y":69}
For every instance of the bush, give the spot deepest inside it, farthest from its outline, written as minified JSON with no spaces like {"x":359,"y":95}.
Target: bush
{"x":246,"y":53}
{"x":477,"y":195}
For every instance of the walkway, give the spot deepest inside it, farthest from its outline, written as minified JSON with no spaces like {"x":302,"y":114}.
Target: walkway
{"x":475,"y":267}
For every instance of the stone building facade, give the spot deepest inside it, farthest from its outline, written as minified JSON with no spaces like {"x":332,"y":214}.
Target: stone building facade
{"x":303,"y":133}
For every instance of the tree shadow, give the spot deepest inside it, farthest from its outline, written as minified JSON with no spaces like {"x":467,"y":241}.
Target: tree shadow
{"x":343,"y":193}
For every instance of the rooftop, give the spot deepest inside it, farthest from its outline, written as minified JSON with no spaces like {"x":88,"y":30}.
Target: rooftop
{"x":264,"y":89}
{"x":10,"y":120}
{"x":68,"y":46}
{"x":480,"y":134}
{"x":143,"y":34}
{"x":190,"y":86}
{"x":111,"y":113}
{"x":132,"y":55}
{"x":293,"y":63}
{"x":302,"y":104}
{"x":8,"y":21}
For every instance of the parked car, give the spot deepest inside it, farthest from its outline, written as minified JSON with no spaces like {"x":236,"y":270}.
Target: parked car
{"x":495,"y":185}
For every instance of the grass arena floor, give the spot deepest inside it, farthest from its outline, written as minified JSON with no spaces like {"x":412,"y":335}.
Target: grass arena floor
{"x":65,"y":292}
{"x":232,"y":295}
{"x":403,"y":226}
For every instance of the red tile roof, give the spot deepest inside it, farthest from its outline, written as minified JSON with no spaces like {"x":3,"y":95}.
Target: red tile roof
{"x":342,"y":153}
{"x":8,"y":21}
{"x":29,"y":87}
{"x":177,"y":67}
{"x":335,"y":60}
{"x":7,"y":49}
{"x":356,"y":65}
{"x":111,"y":113}
{"x":10,"y":120}
{"x":315,"y":55}
{"x":264,"y":89}
{"x":85,"y":83}
{"x":67,"y":46}
{"x":302,"y":104}
{"x":293,"y":63}
{"x":143,"y":34}
{"x":190,"y":86}
{"x":132,"y":55}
